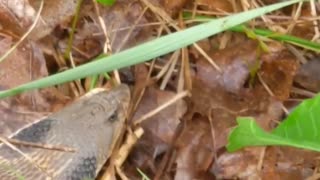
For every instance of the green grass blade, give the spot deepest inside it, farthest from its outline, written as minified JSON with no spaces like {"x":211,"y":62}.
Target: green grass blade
{"x":282,"y":37}
{"x":300,"y":129}
{"x":149,"y":50}
{"x":143,"y":175}
{"x":303,"y":43}
{"x":106,"y":2}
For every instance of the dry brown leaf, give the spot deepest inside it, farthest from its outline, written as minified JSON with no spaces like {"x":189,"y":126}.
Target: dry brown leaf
{"x":120,"y":20}
{"x":174,"y":7}
{"x":224,"y":107}
{"x":306,"y":28}
{"x":286,"y":163}
{"x":54,"y":12}
{"x":144,"y":155}
{"x":278,"y":74}
{"x":8,"y":21}
{"x":234,"y":62}
{"x":159,"y":130}
{"x":23,"y":13}
{"x":163,"y":124}
{"x":278,"y":68}
{"x":195,"y":150}
{"x":277,"y":164}
{"x":25,"y":64}
{"x":20,"y":9}
{"x":242,"y":164}
{"x":125,"y":14}
{"x":308,"y":75}
{"x":217,"y":5}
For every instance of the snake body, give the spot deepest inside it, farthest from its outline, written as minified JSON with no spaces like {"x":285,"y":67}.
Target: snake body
{"x":90,"y":126}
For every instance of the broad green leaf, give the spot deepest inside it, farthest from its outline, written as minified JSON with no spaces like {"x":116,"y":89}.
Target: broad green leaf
{"x":303,"y":123}
{"x":106,"y":2}
{"x":147,"y":51}
{"x":300,"y":129}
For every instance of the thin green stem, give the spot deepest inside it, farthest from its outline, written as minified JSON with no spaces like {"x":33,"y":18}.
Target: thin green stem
{"x":73,"y":29}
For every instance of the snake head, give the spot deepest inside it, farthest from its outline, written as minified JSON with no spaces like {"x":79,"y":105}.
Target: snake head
{"x":92,"y":125}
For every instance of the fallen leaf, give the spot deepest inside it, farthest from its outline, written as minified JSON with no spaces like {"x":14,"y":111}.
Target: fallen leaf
{"x":278,"y":74}
{"x":234,"y":63}
{"x":53,"y":13}
{"x":277,"y":164}
{"x":8,"y":20}
{"x":174,"y":7}
{"x":242,"y":164}
{"x":122,"y":18}
{"x":308,"y":75}
{"x":163,"y":124}
{"x":23,"y":65}
{"x":217,"y":5}
{"x":195,"y":150}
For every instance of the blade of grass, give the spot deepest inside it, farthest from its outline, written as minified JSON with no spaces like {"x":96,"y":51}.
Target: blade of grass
{"x":266,"y":33}
{"x":143,"y":175}
{"x":106,"y":2}
{"x":282,"y":37}
{"x":73,"y":29}
{"x":147,"y":50}
{"x":94,"y":79}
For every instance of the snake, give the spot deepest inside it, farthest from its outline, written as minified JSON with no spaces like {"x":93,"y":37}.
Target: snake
{"x":90,"y":125}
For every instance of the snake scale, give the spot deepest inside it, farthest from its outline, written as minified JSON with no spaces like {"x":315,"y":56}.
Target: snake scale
{"x":90,"y":125}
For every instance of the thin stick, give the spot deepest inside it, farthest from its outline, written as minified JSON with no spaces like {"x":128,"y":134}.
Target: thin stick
{"x":107,"y":48}
{"x":161,"y":107}
{"x":261,"y":159}
{"x":165,"y":68}
{"x":303,"y":92}
{"x":169,"y":20}
{"x":25,"y":156}
{"x":271,"y":93}
{"x":152,"y":66}
{"x":171,"y":68}
{"x":213,"y":135}
{"x":128,"y":34}
{"x":39,"y":145}
{"x":125,"y":149}
{"x":315,"y":22}
{"x":77,"y":82}
{"x":25,"y":35}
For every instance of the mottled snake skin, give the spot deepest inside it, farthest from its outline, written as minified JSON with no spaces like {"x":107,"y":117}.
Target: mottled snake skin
{"x":90,"y":125}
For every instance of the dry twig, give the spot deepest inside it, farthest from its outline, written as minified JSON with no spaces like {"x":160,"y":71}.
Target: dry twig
{"x":24,"y":35}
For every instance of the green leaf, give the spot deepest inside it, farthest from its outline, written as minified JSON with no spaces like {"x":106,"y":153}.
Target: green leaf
{"x":106,"y":2}
{"x":303,"y":123}
{"x":147,"y":51}
{"x":300,"y":129}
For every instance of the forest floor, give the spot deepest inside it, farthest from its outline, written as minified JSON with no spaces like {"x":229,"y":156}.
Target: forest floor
{"x":179,"y":135}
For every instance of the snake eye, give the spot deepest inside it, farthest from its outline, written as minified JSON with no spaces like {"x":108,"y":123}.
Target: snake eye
{"x":113,"y":117}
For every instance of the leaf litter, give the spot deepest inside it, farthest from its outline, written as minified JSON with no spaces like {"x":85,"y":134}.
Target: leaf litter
{"x":187,"y":139}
